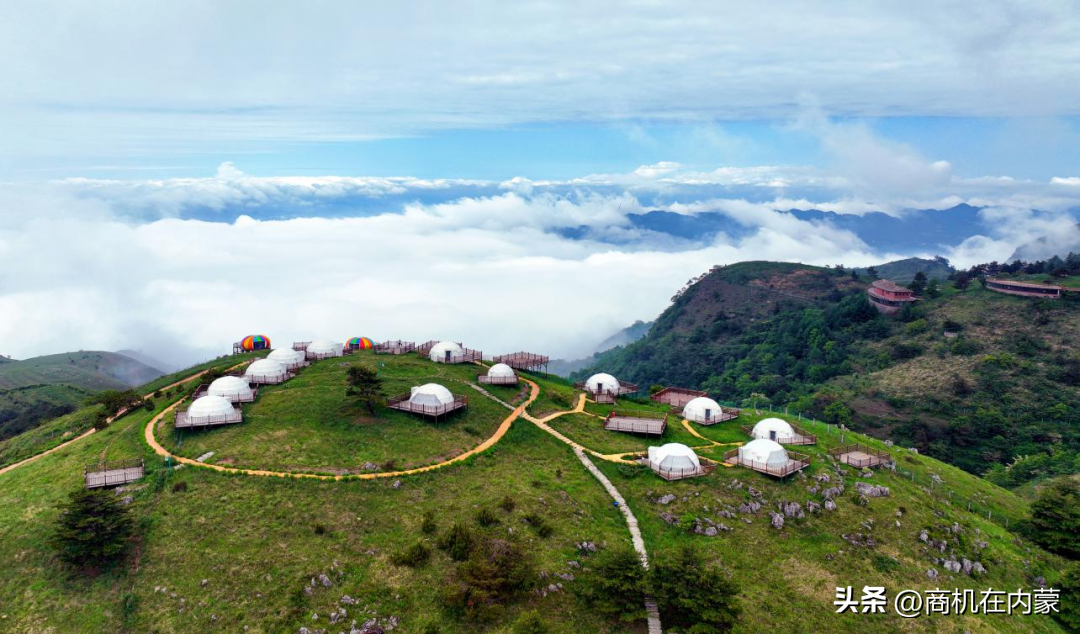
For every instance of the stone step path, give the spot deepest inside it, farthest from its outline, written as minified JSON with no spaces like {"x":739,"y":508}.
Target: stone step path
{"x":653,"y":615}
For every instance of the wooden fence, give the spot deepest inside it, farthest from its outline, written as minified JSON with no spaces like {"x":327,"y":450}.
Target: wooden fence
{"x":796,"y":461}
{"x":650,"y":423}
{"x":402,"y":403}
{"x":801,"y":437}
{"x":859,"y":455}
{"x":105,"y":474}
{"x":679,"y":474}
{"x":497,"y":380}
{"x":395,"y":347}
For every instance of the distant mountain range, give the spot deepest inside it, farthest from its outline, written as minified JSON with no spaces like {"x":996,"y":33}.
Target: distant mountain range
{"x":44,"y":387}
{"x":630,"y":334}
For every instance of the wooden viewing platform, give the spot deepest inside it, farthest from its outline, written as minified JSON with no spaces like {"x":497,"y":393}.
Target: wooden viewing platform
{"x":524,"y":361}
{"x":395,"y":347}
{"x":860,"y":456}
{"x":424,"y":348}
{"x":184,"y":421}
{"x":608,"y":396}
{"x":648,"y":423}
{"x":679,"y":474}
{"x":466,"y":356}
{"x":301,"y":346}
{"x":1024,"y":289}
{"x":800,"y":437}
{"x":726,"y":414}
{"x":796,"y":462}
{"x":108,"y":474}
{"x":235,"y":397}
{"x":402,"y":403}
{"x":497,"y":380}
{"x":676,"y":397}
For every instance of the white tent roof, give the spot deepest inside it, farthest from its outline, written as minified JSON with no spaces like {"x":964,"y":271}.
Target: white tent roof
{"x":500,"y":370}
{"x":210,"y":406}
{"x":766,"y":451}
{"x":602,"y":381}
{"x":228,"y":386}
{"x":286,"y":355}
{"x":700,"y":408}
{"x":438,"y":351}
{"x":674,"y":456}
{"x":324,"y":346}
{"x":766,"y":426}
{"x":265,"y":368}
{"x":431,"y":394}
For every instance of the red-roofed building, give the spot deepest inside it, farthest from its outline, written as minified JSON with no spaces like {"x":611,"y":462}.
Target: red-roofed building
{"x":889,"y":297}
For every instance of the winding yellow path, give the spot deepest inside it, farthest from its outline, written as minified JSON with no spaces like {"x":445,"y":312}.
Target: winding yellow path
{"x":484,"y":446}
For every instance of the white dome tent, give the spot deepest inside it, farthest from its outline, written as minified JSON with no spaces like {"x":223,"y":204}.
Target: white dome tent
{"x":324,"y":349}
{"x":445,"y":351}
{"x":234,"y":388}
{"x":674,"y":461}
{"x":606,"y":388}
{"x":767,"y":456}
{"x":703,"y":410}
{"x":208,"y":411}
{"x":291,"y":359}
{"x":772,"y":429}
{"x":430,"y":399}
{"x":266,"y":371}
{"x":499,"y":374}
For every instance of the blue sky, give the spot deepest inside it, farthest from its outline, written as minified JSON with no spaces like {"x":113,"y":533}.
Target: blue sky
{"x":189,"y":172}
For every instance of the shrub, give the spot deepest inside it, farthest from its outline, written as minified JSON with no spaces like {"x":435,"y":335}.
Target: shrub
{"x":458,"y":542}
{"x":495,"y":573}
{"x":101,"y":420}
{"x":427,"y":524}
{"x":613,"y":583}
{"x":180,"y":487}
{"x":529,"y":623}
{"x":507,"y":504}
{"x":693,"y":595}
{"x":413,"y":556}
{"x":93,"y":528}
{"x":320,"y":529}
{"x":1055,"y":518}
{"x":1069,"y":614}
{"x":486,"y":517}
{"x":389,"y":465}
{"x":543,"y":529}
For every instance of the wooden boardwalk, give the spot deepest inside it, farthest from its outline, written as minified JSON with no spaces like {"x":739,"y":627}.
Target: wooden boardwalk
{"x":113,"y":477}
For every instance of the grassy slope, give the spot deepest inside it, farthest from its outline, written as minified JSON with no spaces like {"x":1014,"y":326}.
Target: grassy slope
{"x":254,"y":539}
{"x":63,"y":428}
{"x":308,"y":424}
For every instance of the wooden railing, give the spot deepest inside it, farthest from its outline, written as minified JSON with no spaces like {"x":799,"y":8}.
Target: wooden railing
{"x":424,"y":348}
{"x":466,"y":356}
{"x":300,"y":346}
{"x":676,"y":396}
{"x":184,"y":420}
{"x":497,"y":380}
{"x":726,"y":414}
{"x":403,"y":403}
{"x":522,"y":360}
{"x":874,"y":457}
{"x":796,"y":461}
{"x":679,"y":474}
{"x":235,"y":397}
{"x":395,"y":347}
{"x":801,"y":437}
{"x":103,"y":474}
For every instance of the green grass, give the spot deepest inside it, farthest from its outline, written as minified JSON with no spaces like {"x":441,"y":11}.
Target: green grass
{"x":308,"y":424}
{"x":556,"y":394}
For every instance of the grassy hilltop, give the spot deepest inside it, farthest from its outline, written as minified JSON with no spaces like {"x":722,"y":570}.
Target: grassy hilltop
{"x":231,"y":552}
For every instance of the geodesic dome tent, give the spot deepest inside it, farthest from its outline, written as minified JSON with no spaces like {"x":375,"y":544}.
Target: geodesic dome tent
{"x":445,"y":350}
{"x":673,"y":456}
{"x":602,"y":382}
{"x":234,"y":388}
{"x":266,"y":371}
{"x":207,"y":411}
{"x":359,"y":343}
{"x":773,"y":429}
{"x":291,"y":359}
{"x":501,"y":370}
{"x":323,"y":349}
{"x":431,"y":394}
{"x":764,"y":451}
{"x":702,"y":409}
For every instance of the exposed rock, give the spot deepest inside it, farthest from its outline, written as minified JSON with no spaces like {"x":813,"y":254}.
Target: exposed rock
{"x":396,"y":484}
{"x":862,"y":500}
{"x":325,"y":581}
{"x":586,"y":547}
{"x":888,"y":443}
{"x":665,"y":499}
{"x":127,"y":499}
{"x":792,"y":510}
{"x":669,"y":519}
{"x":932,"y":573}
{"x":823,"y":477}
{"x":203,"y":583}
{"x":777,"y":520}
{"x":872,"y":490}
{"x":347,"y":600}
{"x":952,"y":565}
{"x":936,"y":478}
{"x":866,"y":473}
{"x":370,"y":466}
{"x":726,"y":514}
{"x":830,"y":505}
{"x":574,"y":564}
{"x":832,"y":492}
{"x":813,"y":507}
{"x":753,"y":492}
{"x":750,"y":507}
{"x":860,"y":539}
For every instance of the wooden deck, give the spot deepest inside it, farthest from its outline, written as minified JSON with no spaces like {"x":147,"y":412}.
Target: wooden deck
{"x":300,"y":346}
{"x":466,"y":356}
{"x":726,"y":414}
{"x":108,"y":474}
{"x":424,"y":348}
{"x":860,"y":456}
{"x":235,"y":397}
{"x":524,"y":361}
{"x":676,"y":397}
{"x":680,"y":474}
{"x":800,"y":438}
{"x":402,"y":403}
{"x":796,"y":462}
{"x":395,"y":347}
{"x":608,"y":396}
{"x":183,"y":421}
{"x":497,"y":380}
{"x":648,"y":423}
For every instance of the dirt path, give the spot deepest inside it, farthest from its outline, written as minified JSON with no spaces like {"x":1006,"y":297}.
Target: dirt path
{"x":484,"y":446}
{"x":90,"y":431}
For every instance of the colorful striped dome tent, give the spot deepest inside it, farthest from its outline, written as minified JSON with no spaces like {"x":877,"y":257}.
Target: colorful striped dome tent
{"x":359,"y":343}
{"x":255,"y":342}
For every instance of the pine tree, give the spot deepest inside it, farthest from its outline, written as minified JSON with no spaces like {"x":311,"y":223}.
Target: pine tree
{"x":364,"y":385}
{"x":1055,"y":518}
{"x":693,"y":595}
{"x":93,"y":528}
{"x":615,"y":578}
{"x":918,"y":284}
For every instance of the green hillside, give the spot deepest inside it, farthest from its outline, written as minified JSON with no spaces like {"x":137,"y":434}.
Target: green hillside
{"x":231,"y":552}
{"x":903,"y":271}
{"x":1005,"y":383}
{"x":42,"y":388}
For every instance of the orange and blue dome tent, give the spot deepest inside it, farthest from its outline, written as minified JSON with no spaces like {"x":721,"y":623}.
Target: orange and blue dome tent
{"x":255,"y":342}
{"x":359,"y":343}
